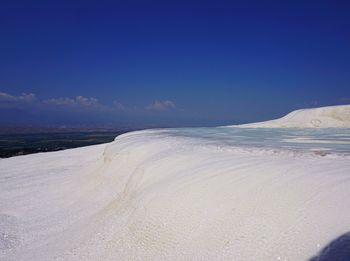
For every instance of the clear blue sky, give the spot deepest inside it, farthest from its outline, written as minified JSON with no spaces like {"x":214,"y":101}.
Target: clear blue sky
{"x":170,"y":62}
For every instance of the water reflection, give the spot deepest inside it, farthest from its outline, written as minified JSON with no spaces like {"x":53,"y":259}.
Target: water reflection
{"x":324,"y":140}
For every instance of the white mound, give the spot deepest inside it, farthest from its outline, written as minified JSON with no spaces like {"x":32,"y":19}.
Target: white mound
{"x":149,"y":196}
{"x":324,"y":117}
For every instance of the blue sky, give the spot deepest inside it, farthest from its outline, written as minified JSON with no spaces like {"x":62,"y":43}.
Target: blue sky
{"x":170,"y":62}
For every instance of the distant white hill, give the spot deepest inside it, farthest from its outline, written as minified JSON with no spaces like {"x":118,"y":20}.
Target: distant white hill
{"x":323,"y":117}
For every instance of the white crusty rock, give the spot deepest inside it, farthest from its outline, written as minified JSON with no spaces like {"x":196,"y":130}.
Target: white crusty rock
{"x":184,"y":195}
{"x":323,"y":117}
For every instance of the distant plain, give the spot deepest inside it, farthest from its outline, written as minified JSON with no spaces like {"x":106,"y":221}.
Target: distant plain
{"x":22,"y":144}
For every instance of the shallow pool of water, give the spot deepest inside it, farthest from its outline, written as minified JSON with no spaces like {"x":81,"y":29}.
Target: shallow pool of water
{"x":330,"y":140}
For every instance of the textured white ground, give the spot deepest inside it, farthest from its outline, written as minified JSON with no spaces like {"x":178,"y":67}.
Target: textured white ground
{"x":153,"y":196}
{"x":323,"y":117}
{"x":148,"y":196}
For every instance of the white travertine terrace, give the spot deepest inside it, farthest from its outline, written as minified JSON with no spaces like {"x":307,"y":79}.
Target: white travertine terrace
{"x":323,"y":117}
{"x":153,"y":196}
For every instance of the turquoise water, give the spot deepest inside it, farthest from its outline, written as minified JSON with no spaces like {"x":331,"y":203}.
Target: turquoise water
{"x":331,"y":140}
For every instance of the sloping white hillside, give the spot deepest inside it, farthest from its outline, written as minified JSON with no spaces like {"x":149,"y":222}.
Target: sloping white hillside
{"x":323,"y":117}
{"x":152,"y":196}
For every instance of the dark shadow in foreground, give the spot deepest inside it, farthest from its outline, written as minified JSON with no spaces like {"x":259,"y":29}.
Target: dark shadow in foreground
{"x":337,"y":250}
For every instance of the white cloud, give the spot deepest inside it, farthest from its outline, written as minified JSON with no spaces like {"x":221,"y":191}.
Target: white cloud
{"x":13,"y":101}
{"x":119,"y":106}
{"x":60,"y":101}
{"x":24,"y":97}
{"x":161,"y":105}
{"x":88,"y":102}
{"x":79,"y":101}
{"x":6,"y":97}
{"x":27,"y":97}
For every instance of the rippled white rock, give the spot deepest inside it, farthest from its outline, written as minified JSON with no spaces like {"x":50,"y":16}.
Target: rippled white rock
{"x":323,"y":117}
{"x":186,"y":194}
